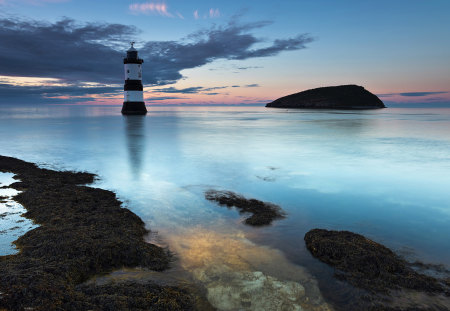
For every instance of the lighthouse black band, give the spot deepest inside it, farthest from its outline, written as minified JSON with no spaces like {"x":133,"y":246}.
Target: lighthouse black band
{"x":133,"y":61}
{"x":133,"y":85}
{"x":134,"y":108}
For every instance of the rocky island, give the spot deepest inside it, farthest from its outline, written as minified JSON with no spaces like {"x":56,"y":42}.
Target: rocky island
{"x":330,"y":97}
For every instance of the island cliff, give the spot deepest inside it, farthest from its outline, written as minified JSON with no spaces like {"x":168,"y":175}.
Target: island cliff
{"x":331,"y":97}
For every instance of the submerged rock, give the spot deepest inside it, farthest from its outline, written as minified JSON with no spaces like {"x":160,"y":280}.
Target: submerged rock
{"x":263,"y":213}
{"x":367,"y":264}
{"x":238,"y":274}
{"x":331,"y":97}
{"x":253,"y":290}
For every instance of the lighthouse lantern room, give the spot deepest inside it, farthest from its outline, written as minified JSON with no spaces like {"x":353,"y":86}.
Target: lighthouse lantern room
{"x":133,"y":89}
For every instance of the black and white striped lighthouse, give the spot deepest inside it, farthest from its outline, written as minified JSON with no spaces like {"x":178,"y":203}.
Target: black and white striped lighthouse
{"x":133,"y":91}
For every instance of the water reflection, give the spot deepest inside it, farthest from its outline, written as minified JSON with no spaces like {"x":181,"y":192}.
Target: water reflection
{"x":135,"y":138}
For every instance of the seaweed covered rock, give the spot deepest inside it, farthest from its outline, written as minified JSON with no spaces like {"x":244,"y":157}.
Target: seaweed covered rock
{"x":263,"y":213}
{"x":330,"y":97}
{"x":367,"y":264}
{"x":135,"y":296}
{"x":82,"y":232}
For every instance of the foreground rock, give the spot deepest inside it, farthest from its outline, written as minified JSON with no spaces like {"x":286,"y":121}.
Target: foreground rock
{"x":367,"y":264}
{"x":82,"y":232}
{"x":263,"y":213}
{"x":331,"y":97}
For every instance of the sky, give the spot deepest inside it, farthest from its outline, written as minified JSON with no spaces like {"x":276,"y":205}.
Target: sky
{"x":223,"y":52}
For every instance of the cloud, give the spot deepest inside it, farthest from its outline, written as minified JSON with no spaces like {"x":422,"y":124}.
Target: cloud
{"x":252,"y":85}
{"x":79,"y":52}
{"x":214,"y":13}
{"x":160,"y":98}
{"x":420,"y":93}
{"x":231,"y":42}
{"x":412,"y":94}
{"x":53,"y":94}
{"x":189,"y":90}
{"x":248,"y":67}
{"x":159,"y":8}
{"x":214,"y":88}
{"x":63,"y":50}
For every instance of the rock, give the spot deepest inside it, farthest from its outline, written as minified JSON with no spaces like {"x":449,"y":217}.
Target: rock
{"x":263,"y":213}
{"x":253,"y":290}
{"x":331,"y":97}
{"x":367,"y":264}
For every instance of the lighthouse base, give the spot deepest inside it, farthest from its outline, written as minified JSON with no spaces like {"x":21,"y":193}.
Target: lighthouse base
{"x":134,"y":108}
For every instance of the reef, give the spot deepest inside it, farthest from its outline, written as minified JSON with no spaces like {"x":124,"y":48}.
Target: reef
{"x":330,"y":97}
{"x":262,"y":213}
{"x":83,"y":232}
{"x":367,"y":264}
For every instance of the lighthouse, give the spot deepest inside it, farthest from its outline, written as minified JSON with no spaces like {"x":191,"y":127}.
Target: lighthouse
{"x":133,"y":91}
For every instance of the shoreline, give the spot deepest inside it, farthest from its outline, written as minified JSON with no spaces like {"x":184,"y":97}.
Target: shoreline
{"x":83,"y":232}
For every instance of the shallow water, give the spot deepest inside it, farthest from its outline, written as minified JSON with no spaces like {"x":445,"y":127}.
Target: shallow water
{"x":384,"y":174}
{"x":12,"y":224}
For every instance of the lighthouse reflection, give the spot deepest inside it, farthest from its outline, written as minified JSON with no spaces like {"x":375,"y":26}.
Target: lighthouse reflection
{"x":135,"y":138}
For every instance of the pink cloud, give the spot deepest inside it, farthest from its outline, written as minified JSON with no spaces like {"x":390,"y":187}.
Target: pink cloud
{"x":213,"y":13}
{"x":196,"y":14}
{"x":159,"y":8}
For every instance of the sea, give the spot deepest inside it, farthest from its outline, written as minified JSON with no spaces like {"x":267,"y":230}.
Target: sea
{"x":381,"y":173}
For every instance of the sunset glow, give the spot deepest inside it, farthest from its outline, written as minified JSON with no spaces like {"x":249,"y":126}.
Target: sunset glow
{"x":222,"y":53}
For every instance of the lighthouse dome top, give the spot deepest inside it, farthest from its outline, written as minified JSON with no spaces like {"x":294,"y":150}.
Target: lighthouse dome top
{"x":132,"y":49}
{"x":132,"y":56}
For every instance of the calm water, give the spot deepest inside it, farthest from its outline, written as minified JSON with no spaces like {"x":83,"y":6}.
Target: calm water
{"x":384,"y":174}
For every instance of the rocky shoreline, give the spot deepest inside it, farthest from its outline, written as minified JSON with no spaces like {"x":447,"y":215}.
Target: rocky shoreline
{"x":378,"y":271}
{"x":83,"y":232}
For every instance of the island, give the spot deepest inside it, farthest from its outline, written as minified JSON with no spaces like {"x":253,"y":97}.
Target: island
{"x":330,"y":97}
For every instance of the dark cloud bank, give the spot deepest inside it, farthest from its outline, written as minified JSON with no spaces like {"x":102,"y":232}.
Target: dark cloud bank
{"x":94,"y":51}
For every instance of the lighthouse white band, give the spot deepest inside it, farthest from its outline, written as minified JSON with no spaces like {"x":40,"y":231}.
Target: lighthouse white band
{"x":133,"y":96}
{"x":133,"y":72}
